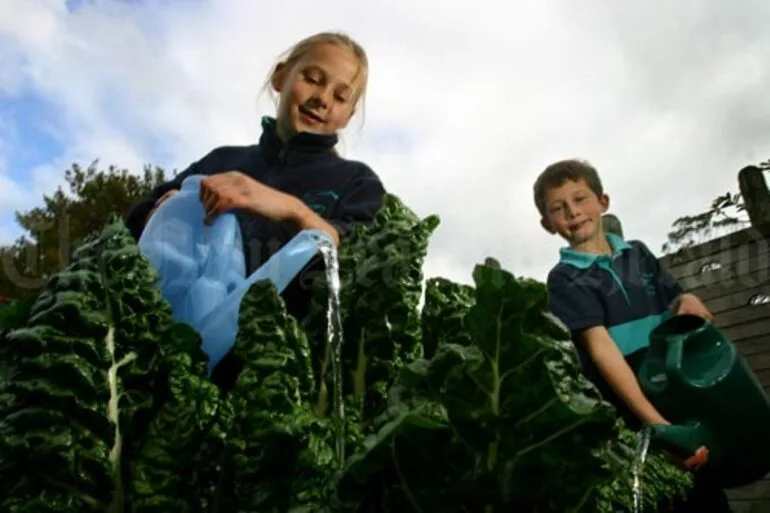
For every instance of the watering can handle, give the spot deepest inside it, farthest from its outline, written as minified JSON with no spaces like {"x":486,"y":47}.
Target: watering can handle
{"x":673,"y":363}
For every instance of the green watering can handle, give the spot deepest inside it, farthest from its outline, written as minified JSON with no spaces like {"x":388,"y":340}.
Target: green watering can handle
{"x":674,"y":354}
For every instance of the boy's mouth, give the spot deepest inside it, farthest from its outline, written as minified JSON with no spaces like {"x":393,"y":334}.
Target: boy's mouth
{"x":577,"y":226}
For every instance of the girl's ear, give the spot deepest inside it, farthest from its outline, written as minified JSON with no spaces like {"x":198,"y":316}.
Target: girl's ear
{"x":279,"y":77}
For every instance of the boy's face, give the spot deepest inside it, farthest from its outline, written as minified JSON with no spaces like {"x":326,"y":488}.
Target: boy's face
{"x":574,"y":211}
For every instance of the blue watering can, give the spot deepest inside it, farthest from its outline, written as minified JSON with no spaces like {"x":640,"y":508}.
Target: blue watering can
{"x":203,"y":270}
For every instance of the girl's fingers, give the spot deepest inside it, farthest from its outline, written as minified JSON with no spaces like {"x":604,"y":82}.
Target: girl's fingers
{"x":212,"y":213}
{"x":207,"y":191}
{"x":214,"y":207}
{"x":217,"y":196}
{"x":209,"y":201}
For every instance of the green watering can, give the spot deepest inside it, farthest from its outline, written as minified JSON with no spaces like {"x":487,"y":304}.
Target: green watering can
{"x":698,"y":381}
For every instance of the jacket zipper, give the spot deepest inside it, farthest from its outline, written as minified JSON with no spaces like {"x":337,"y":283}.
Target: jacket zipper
{"x":283,"y":157}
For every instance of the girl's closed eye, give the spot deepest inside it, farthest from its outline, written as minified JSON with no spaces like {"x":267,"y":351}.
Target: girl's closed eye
{"x":312,"y":79}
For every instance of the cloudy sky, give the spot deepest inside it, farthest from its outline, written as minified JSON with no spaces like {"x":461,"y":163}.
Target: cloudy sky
{"x":468,"y":102}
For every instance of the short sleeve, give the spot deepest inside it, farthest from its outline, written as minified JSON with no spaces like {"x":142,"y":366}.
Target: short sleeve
{"x":667,"y":283}
{"x":574,"y":300}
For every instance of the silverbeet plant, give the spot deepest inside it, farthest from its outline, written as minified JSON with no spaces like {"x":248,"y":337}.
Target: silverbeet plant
{"x":472,"y":403}
{"x":498,"y":418}
{"x":107,"y":407}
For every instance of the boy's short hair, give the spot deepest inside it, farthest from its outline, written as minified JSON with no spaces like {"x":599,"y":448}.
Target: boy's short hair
{"x":565,"y":170}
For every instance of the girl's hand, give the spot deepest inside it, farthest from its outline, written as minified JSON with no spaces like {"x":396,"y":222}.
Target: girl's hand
{"x":690,"y":304}
{"x":236,"y":191}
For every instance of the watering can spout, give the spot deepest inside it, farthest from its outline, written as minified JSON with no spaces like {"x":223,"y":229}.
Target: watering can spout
{"x":684,"y":440}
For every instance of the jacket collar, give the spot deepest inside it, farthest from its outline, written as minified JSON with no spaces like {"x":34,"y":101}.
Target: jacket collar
{"x":302,"y":143}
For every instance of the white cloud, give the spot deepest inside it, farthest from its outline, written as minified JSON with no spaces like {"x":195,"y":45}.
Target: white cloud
{"x":467,"y":103}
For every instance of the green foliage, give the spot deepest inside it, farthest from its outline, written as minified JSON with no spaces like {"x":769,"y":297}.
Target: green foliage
{"x":727,"y":212}
{"x":380,"y":269}
{"x":108,"y":406}
{"x":473,"y":403}
{"x":501,"y":422}
{"x":661,"y":482}
{"x":66,"y":218}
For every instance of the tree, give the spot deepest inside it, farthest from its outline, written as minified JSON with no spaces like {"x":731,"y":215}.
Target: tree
{"x":726,"y":214}
{"x":56,"y":228}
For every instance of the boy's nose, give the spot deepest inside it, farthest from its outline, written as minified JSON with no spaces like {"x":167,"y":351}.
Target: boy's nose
{"x":572,"y":212}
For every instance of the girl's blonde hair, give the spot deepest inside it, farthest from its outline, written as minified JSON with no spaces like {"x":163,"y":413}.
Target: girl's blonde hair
{"x":300,"y":49}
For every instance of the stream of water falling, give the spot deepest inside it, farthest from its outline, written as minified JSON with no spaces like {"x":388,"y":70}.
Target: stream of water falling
{"x":334,"y":340}
{"x":637,"y":466}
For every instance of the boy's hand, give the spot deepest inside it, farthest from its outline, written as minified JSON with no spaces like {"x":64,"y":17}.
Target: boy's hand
{"x":694,"y":462}
{"x":690,"y":304}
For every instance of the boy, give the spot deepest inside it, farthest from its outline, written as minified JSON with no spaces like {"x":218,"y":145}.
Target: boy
{"x":611,"y":293}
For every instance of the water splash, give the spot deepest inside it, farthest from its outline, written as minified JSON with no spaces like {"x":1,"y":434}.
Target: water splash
{"x":334,"y":341}
{"x":637,"y":466}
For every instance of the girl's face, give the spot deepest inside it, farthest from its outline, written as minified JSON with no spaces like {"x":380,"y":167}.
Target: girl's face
{"x":319,"y":92}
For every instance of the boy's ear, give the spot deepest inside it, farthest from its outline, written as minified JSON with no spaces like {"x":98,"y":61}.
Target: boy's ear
{"x":546,"y":225}
{"x":279,"y":77}
{"x":604,"y":201}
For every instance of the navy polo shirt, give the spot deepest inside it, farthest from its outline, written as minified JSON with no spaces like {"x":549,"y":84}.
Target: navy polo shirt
{"x":628,"y":292}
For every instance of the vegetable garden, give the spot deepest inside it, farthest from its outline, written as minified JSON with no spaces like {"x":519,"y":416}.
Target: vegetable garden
{"x":473,"y":402}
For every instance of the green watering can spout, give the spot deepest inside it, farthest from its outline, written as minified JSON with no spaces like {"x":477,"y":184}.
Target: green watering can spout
{"x":682,"y":440}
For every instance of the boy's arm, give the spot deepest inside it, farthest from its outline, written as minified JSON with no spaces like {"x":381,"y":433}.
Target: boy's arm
{"x":618,"y":374}
{"x":578,"y":305}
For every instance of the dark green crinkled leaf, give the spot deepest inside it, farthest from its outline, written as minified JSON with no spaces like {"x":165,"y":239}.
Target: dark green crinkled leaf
{"x":172,"y":468}
{"x":84,"y":376}
{"x":13,"y":315}
{"x":443,"y":315}
{"x":381,"y":276}
{"x":281,"y":453}
{"x":660,"y":481}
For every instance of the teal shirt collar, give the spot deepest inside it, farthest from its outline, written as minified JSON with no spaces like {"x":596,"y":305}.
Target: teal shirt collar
{"x":584,"y":260}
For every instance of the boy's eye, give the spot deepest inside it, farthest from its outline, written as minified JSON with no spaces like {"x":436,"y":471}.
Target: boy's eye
{"x":341,"y":98}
